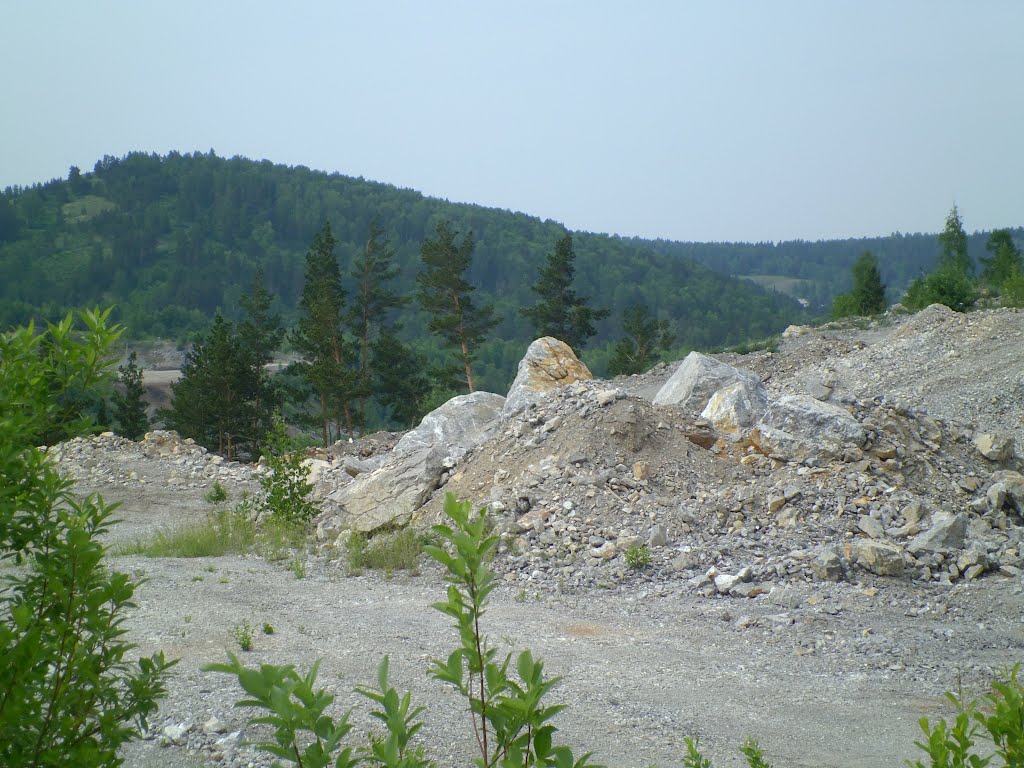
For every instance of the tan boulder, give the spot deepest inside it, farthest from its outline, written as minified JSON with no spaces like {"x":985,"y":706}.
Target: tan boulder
{"x":547,"y":365}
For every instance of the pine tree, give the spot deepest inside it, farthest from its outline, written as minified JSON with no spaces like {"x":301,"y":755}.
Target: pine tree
{"x":559,"y":311}
{"x":953,"y":242}
{"x":646,"y":337}
{"x":372,"y":301}
{"x":129,"y":401}
{"x":261,"y":334}
{"x":400,"y":379}
{"x":1004,"y":261}
{"x":320,"y":337}
{"x":213,"y":400}
{"x":445,"y":295}
{"x":868,"y":294}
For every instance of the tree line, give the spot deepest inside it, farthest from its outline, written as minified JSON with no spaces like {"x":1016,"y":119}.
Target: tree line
{"x":952,"y":281}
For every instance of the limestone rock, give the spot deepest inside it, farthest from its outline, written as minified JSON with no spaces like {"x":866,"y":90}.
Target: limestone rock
{"x":391,"y":493}
{"x":946,"y":532}
{"x":800,"y":428}
{"x":879,"y":557}
{"x":548,"y":364}
{"x":1012,"y":486}
{"x":828,"y":565}
{"x":994,"y":447}
{"x":697,"y":378}
{"x":735,"y":408}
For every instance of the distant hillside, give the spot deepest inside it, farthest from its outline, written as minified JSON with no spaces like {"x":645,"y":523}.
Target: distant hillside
{"x":171,"y":240}
{"x":820,"y":270}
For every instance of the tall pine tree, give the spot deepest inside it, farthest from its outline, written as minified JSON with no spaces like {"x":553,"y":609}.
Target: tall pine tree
{"x":953,"y":242}
{"x":320,"y":337}
{"x":559,"y":311}
{"x":129,"y":401}
{"x":373,"y":301}
{"x":646,"y":337}
{"x":261,"y":334}
{"x":446,"y":296}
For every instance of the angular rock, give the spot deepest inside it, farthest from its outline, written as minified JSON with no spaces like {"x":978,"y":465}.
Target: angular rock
{"x":871,"y":527}
{"x":879,"y":557}
{"x":802,"y":429}
{"x":947,"y":532}
{"x":1012,"y":485}
{"x":697,"y":378}
{"x":995,"y":447}
{"x":828,"y":565}
{"x":735,"y":408}
{"x":391,"y":493}
{"x":547,"y":365}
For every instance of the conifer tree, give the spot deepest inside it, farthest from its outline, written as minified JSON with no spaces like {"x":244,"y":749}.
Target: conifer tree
{"x":261,"y":334}
{"x":953,"y":242}
{"x":399,"y":378}
{"x":446,"y":296}
{"x":559,"y":311}
{"x":868,"y":294}
{"x":129,"y":401}
{"x":372,"y":301}
{"x":1004,"y":261}
{"x":646,"y":337}
{"x":320,"y":337}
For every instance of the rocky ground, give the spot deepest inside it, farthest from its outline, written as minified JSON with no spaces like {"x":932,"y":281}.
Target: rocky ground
{"x":818,"y":592}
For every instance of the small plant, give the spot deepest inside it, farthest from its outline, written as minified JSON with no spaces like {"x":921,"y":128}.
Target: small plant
{"x":638,"y":556}
{"x":388,"y":552}
{"x":286,"y":485}
{"x":243,"y":635}
{"x":197,"y":578}
{"x":298,"y":567}
{"x":268,"y":629}
{"x":217,"y":494}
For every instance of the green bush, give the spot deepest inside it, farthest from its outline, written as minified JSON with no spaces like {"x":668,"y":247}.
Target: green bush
{"x":217,"y":494}
{"x":286,"y":485}
{"x":946,"y":285}
{"x":638,"y":556}
{"x":69,"y":694}
{"x":388,"y":552}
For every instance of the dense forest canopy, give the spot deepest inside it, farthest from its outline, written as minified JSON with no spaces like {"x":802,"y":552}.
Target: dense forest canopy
{"x":172,"y":240}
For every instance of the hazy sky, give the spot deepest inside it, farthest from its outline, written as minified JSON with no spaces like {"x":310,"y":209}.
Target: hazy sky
{"x":692,"y":121}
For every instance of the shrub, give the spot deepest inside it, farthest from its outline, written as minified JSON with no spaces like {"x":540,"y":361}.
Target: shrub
{"x":638,"y":556}
{"x":509,"y":717}
{"x":68,"y":695}
{"x":217,"y":494}
{"x":388,"y":552}
{"x":286,"y":485}
{"x":946,"y":285}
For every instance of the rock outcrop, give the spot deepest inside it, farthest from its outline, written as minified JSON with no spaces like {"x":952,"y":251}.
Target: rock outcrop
{"x":733,"y":410}
{"x":697,"y":378}
{"x":802,"y":429}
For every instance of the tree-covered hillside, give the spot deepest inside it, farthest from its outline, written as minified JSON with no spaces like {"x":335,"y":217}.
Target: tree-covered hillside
{"x":171,"y":240}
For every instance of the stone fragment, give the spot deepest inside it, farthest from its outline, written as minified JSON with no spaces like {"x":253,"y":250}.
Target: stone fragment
{"x":802,"y":429}
{"x":1012,"y":485}
{"x":947,"y":532}
{"x":641,"y":471}
{"x":175,"y":734}
{"x":878,"y":557}
{"x":697,"y":378}
{"x":658,"y":536}
{"x":871,"y":527}
{"x":995,"y":447}
{"x":828,"y":565}
{"x":547,"y":365}
{"x":604,"y":552}
{"x":735,"y":408}
{"x":776,"y":502}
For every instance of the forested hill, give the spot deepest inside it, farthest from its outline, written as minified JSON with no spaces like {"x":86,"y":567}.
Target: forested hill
{"x":820,"y":270}
{"x":170,"y":240}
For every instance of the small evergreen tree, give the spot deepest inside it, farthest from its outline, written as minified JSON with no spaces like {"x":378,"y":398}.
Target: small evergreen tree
{"x":560,"y":312}
{"x":1004,"y":261}
{"x":446,"y":296}
{"x":953,"y":244}
{"x":868,"y":294}
{"x":320,"y":337}
{"x":646,"y":337}
{"x":129,"y":401}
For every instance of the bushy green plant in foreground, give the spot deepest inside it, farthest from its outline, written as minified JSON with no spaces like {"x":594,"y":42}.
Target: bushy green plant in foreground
{"x":69,"y":694}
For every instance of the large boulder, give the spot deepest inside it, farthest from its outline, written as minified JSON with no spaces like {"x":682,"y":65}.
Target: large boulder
{"x":879,"y":557}
{"x":389,"y":495}
{"x":734,"y":409}
{"x":947,"y":532}
{"x":547,"y":365}
{"x":697,"y":378}
{"x":800,"y":428}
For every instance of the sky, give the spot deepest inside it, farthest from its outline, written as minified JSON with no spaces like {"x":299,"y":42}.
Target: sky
{"x":698,"y":121}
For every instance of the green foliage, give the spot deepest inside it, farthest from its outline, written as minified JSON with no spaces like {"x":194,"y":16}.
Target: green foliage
{"x":320,"y":336}
{"x":559,"y":312}
{"x":243,"y":635}
{"x":868,"y":294}
{"x":217,"y":494}
{"x":953,"y":244}
{"x":638,"y":556}
{"x":693,"y":757}
{"x":268,"y":629}
{"x":1005,"y":261}
{"x":286,"y":485}
{"x":388,"y":552}
{"x":68,"y":694}
{"x":446,"y":296}
{"x":400,"y":382}
{"x":1012,"y":294}
{"x":129,"y":401}
{"x":646,"y":338}
{"x":946,"y":285}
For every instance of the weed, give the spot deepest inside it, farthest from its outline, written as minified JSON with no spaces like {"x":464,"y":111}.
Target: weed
{"x":388,"y":552}
{"x":298,"y":567}
{"x":268,"y":629}
{"x":217,"y":494}
{"x":223,"y":580}
{"x":243,"y":635}
{"x":197,"y":578}
{"x":638,"y":556}
{"x":521,"y":596}
{"x":188,"y":619}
